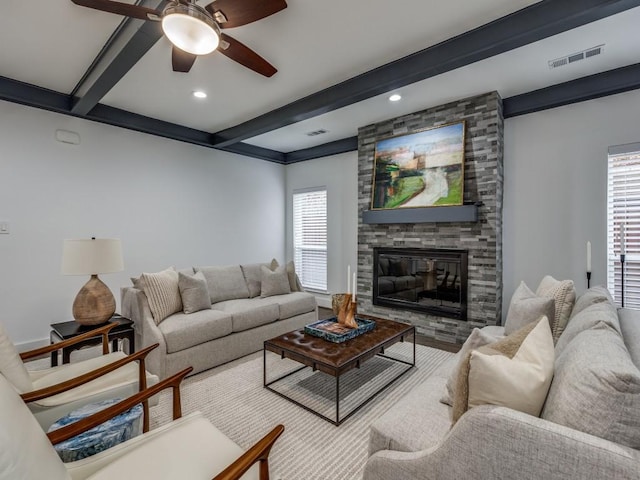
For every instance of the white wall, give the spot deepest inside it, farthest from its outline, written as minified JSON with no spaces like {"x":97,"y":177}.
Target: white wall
{"x":555,"y":194}
{"x":339,"y":173}
{"x":170,"y":203}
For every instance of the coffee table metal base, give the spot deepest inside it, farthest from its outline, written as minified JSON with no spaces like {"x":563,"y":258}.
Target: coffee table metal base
{"x":338,"y":420}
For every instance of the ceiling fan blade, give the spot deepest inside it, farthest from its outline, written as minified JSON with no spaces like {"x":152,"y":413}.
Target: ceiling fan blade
{"x":120,"y":8}
{"x":242,"y":54}
{"x":234,"y":13}
{"x":181,"y":60}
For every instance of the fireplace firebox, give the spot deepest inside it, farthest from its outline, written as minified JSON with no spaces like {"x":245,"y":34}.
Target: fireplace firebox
{"x":427,"y":280}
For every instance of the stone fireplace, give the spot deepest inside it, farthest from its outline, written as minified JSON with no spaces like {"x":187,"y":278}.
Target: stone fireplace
{"x":478,"y":235}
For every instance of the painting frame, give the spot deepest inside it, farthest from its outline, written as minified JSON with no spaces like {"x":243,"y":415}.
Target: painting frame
{"x":420,"y":169}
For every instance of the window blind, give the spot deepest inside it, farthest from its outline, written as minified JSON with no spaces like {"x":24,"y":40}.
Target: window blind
{"x":623,"y":223}
{"x":310,"y":238}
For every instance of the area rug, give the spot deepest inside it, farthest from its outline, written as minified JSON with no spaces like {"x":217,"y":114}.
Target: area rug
{"x":310,"y":448}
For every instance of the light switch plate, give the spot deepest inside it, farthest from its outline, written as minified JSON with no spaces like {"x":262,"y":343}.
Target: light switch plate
{"x":4,"y":227}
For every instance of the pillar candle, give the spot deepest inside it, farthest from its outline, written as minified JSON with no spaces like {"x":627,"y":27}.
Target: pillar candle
{"x":348,"y":278}
{"x":354,"y":286}
{"x":588,"y":256}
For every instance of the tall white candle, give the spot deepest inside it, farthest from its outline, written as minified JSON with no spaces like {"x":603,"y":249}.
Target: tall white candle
{"x":354,"y":286}
{"x":588,"y":256}
{"x":622,"y":239}
{"x":348,"y":278}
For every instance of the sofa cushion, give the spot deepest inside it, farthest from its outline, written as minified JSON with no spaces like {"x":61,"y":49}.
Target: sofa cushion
{"x":183,"y":330}
{"x":163,"y":293}
{"x":225,"y":283}
{"x":274,"y":282}
{"x":249,"y":312}
{"x":596,"y":388}
{"x":526,"y":307}
{"x":630,"y":327}
{"x":295,"y":303}
{"x":11,"y":365}
{"x":194,"y":292}
{"x":563,"y":293}
{"x":588,"y":318}
{"x":597,"y":294}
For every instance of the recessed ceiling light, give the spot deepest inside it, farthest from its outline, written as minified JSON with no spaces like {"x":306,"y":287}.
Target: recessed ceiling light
{"x":395,"y":98}
{"x":199,"y":94}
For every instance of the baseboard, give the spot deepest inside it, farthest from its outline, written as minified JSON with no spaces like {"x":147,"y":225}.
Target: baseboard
{"x":26,"y":346}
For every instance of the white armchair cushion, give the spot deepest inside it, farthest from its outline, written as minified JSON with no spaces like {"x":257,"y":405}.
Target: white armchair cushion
{"x":11,"y":365}
{"x":189,"y":448}
{"x":25,"y":451}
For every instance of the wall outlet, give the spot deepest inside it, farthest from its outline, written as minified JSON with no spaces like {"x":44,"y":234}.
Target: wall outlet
{"x":4,"y":227}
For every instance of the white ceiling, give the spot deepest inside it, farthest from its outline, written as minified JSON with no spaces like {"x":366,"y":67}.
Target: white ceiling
{"x":314,"y":45}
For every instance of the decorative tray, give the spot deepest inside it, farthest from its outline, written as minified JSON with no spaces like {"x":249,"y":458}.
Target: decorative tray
{"x":331,"y":330}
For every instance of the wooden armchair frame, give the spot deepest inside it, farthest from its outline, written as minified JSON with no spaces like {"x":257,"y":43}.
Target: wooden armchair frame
{"x":259,"y":452}
{"x":139,"y":356}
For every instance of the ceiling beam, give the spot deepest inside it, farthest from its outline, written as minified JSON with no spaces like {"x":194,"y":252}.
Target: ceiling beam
{"x":128,"y":44}
{"x":326,"y":149}
{"x":531,"y":24}
{"x":582,"y":89}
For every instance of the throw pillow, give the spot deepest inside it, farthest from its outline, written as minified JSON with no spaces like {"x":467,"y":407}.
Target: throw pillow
{"x":137,"y":283}
{"x":274,"y":283}
{"x":476,"y":339}
{"x":564,"y":295}
{"x":194,"y":292}
{"x":596,"y":388}
{"x":294,"y":281}
{"x":163,"y":293}
{"x":224,"y":283}
{"x":514,"y":372}
{"x":11,"y":365}
{"x":526,"y":307}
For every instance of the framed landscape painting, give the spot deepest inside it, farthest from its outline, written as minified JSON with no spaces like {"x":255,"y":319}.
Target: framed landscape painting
{"x":421,"y":169}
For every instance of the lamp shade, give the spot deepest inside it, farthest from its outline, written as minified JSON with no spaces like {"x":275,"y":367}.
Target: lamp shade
{"x":91,"y":256}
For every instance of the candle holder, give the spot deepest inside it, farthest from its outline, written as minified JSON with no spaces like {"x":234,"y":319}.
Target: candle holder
{"x":588,"y":279}
{"x":347,"y":311}
{"x":622,"y":258}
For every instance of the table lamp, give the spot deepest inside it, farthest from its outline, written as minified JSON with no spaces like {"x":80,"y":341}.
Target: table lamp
{"x":94,"y":303}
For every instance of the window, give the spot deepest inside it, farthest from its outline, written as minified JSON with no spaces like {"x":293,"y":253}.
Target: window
{"x":623,"y":224}
{"x":310,"y":237}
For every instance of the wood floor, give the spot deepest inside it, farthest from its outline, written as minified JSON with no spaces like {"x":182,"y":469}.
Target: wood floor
{"x":420,"y":339}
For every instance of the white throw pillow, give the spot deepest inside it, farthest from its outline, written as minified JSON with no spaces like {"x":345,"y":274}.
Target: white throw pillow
{"x":11,"y":365}
{"x":521,"y":382}
{"x":163,"y":293}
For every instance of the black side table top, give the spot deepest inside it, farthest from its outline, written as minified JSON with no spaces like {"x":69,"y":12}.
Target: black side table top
{"x":71,"y":329}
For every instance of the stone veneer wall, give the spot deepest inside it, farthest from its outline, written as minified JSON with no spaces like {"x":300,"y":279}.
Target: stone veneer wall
{"x":483,"y":182}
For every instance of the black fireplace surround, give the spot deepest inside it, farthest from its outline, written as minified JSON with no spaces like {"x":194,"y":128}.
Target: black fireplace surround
{"x":427,"y":280}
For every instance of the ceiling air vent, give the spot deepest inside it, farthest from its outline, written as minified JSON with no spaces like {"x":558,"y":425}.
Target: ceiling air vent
{"x":576,"y":57}
{"x":321,"y":131}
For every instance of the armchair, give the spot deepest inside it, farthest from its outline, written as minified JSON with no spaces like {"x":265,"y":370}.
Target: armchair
{"x":53,"y":392}
{"x":189,"y":447}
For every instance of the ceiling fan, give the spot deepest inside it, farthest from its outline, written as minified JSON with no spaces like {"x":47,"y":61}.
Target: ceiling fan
{"x":194,"y":30}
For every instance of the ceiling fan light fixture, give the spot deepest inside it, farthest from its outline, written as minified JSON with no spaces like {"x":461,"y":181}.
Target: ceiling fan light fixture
{"x":190,"y":28}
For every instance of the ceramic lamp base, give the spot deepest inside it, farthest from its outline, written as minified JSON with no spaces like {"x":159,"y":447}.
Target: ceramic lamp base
{"x":94,"y":303}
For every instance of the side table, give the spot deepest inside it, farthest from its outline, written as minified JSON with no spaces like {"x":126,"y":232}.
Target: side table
{"x":64,"y":330}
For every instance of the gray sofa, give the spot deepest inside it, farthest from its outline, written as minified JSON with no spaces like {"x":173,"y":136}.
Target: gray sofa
{"x":232,"y":328}
{"x":589,"y":426}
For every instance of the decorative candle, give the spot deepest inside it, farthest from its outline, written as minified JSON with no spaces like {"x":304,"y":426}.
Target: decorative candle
{"x":622,"y":239}
{"x":354,"y":286}
{"x":348,"y":278}
{"x":588,"y":256}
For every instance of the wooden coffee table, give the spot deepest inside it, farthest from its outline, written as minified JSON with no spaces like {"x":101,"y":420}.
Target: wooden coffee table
{"x":335,"y":359}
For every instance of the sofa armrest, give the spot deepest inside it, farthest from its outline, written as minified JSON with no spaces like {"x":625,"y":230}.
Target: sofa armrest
{"x":500,"y":443}
{"x":135,"y":307}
